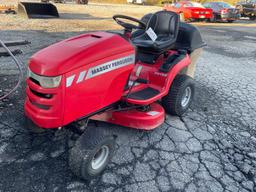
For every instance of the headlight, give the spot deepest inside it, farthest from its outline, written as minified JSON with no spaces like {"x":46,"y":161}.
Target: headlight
{"x":46,"y":82}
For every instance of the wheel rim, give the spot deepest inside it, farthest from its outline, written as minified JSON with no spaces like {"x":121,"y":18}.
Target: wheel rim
{"x":100,"y":157}
{"x":186,"y":97}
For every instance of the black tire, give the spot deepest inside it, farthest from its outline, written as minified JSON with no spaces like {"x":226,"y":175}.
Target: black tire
{"x":230,"y":21}
{"x":31,"y":127}
{"x":252,"y":18}
{"x":88,"y":146}
{"x":10,"y":12}
{"x":173,"y":102}
{"x":85,"y":2}
{"x":213,"y":19}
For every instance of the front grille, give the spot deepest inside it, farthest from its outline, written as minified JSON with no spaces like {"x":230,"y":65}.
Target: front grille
{"x":43,"y":95}
{"x":45,"y":107}
{"x":34,"y":81}
{"x":38,"y":97}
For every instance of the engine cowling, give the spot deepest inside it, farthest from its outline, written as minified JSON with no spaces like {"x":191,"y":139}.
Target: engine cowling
{"x":94,"y":69}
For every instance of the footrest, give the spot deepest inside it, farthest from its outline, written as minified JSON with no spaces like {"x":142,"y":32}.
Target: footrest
{"x":144,"y":94}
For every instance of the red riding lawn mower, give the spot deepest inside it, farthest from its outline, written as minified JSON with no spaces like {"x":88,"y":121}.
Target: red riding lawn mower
{"x":129,"y":79}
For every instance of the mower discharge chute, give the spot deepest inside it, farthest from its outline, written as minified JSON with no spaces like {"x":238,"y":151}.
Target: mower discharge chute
{"x":37,"y":10}
{"x":129,"y":79}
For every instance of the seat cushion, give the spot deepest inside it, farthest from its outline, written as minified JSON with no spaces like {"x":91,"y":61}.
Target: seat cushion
{"x":162,"y":42}
{"x":165,"y":25}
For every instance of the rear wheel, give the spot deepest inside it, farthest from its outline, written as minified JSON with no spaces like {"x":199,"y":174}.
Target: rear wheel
{"x":230,"y":21}
{"x":213,"y":19}
{"x":91,"y":154}
{"x":180,"y":95}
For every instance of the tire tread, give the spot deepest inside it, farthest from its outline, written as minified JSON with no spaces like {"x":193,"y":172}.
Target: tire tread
{"x":171,"y":102}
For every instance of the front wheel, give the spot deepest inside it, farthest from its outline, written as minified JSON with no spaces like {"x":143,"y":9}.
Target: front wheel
{"x":91,"y":154}
{"x":252,"y":18}
{"x":180,"y":95}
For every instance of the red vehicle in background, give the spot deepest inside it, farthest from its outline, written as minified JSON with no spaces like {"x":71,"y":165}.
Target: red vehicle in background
{"x":192,"y":11}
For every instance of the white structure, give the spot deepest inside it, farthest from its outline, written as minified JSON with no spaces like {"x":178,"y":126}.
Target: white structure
{"x":137,"y":1}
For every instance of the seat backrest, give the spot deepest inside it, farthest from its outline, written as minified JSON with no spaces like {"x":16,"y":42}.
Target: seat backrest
{"x":164,"y":23}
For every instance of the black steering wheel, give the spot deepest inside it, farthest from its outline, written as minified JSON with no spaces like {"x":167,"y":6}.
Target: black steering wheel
{"x":129,"y":26}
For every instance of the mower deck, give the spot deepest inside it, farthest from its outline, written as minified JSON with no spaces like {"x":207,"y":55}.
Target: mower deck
{"x":135,"y":118}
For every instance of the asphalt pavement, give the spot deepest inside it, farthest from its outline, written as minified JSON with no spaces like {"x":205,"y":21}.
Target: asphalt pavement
{"x":210,"y":148}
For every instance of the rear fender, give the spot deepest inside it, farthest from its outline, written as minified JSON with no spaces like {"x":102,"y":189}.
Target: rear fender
{"x":190,"y":69}
{"x":177,"y":69}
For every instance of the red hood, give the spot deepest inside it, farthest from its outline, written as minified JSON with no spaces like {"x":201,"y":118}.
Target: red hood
{"x":77,"y":51}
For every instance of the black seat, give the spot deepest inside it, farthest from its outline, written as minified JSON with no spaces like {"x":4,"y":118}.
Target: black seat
{"x":165,"y":24}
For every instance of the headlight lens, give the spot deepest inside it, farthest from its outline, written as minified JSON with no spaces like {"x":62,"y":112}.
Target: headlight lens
{"x":46,"y":82}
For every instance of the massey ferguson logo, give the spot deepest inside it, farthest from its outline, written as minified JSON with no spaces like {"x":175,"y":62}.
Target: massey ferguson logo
{"x":101,"y":69}
{"x":109,"y":66}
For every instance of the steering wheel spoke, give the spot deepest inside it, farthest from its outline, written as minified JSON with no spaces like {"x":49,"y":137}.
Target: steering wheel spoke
{"x":126,"y":25}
